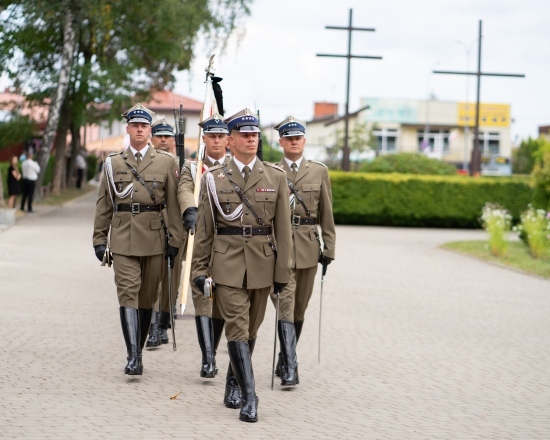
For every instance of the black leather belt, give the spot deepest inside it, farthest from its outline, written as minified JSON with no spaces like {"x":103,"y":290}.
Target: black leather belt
{"x":136,"y":208}
{"x":298,"y":220}
{"x":245,"y":231}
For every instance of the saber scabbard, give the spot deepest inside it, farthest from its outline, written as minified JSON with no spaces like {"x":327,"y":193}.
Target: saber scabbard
{"x":275,"y":341}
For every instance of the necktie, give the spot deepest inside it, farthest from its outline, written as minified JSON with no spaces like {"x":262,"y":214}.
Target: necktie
{"x":246,"y":171}
{"x":293,"y":168}
{"x":138,"y":158}
{"x":216,"y":163}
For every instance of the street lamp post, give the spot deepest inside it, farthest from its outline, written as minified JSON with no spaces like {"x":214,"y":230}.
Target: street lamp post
{"x":468,"y":48}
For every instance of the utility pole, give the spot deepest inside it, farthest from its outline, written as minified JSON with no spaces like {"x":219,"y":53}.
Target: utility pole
{"x":349,"y":56}
{"x":475,"y":165}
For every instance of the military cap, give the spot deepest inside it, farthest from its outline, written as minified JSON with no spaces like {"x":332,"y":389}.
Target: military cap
{"x":245,"y":121}
{"x":139,"y":113}
{"x":214,"y":124}
{"x":162,"y":128}
{"x":291,"y":127}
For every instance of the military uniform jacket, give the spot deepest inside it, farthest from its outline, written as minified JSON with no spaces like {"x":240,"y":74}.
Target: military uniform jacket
{"x":313,"y":185}
{"x":141,"y":234}
{"x":231,"y":258}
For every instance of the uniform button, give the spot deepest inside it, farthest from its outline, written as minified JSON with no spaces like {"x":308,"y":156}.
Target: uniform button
{"x":266,"y":198}
{"x":135,"y":190}
{"x":246,"y":241}
{"x":246,"y":213}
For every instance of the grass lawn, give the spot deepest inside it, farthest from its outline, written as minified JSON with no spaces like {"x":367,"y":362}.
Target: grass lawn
{"x":68,"y":194}
{"x":518,"y":256}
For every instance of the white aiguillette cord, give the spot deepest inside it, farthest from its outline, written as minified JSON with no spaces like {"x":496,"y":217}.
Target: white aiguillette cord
{"x":211,"y":185}
{"x":120,"y":194}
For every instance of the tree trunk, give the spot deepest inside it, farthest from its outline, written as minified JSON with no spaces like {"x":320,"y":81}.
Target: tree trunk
{"x":75,"y":151}
{"x":69,"y":44}
{"x":60,"y":148}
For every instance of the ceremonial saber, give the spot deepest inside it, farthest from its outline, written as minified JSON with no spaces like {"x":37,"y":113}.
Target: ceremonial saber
{"x":324,"y":272}
{"x":171,"y":303}
{"x":275,"y":343}
{"x":209,"y":108}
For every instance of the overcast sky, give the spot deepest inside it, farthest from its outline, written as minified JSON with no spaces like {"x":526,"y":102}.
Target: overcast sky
{"x":275,"y":67}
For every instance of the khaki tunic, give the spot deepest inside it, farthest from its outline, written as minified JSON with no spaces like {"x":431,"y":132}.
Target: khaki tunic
{"x":313,"y":185}
{"x":244,"y":268}
{"x":141,"y":236}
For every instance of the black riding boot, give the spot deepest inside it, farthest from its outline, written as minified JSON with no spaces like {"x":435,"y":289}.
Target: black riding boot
{"x":217,"y":329}
{"x":241,"y":363}
{"x":232,"y":398}
{"x":206,"y":342}
{"x":164,"y":321}
{"x":298,"y":327}
{"x":289,"y":367}
{"x":129,"y":320}
{"x":144,"y":323}
{"x":154,"y":334}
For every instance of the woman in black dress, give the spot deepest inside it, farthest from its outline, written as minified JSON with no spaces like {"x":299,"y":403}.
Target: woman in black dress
{"x":13,"y":181}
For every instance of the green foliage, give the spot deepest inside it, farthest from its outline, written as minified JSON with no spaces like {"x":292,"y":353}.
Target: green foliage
{"x":123,"y":48}
{"x":540,"y":178}
{"x":16,"y":130}
{"x":91,"y":162}
{"x":270,"y":154}
{"x":423,"y":201}
{"x":497,"y":222}
{"x":534,"y":230}
{"x":360,"y":138}
{"x":409,"y":163}
{"x":524,"y":157}
{"x":4,"y":175}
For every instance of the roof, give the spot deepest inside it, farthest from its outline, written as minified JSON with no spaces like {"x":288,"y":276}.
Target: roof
{"x":166,"y":100}
{"x":13,"y":101}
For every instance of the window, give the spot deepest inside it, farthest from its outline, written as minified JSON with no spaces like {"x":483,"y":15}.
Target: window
{"x":386,"y":140}
{"x":489,"y":143}
{"x":436,"y":140}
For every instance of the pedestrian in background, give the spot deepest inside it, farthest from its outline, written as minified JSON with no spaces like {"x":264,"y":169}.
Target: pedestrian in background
{"x":80,"y":169}
{"x":30,"y":170}
{"x":14,"y":176}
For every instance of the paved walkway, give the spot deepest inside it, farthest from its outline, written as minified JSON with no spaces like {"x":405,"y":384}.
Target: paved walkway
{"x":418,"y":343}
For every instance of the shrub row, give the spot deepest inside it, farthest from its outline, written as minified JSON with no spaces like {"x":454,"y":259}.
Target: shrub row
{"x":423,"y":201}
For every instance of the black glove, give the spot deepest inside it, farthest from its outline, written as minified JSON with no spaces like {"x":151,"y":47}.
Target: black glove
{"x":100,"y":251}
{"x":278,"y":287}
{"x":199,"y":282}
{"x":171,"y":252}
{"x":325,"y":261}
{"x":190,"y":219}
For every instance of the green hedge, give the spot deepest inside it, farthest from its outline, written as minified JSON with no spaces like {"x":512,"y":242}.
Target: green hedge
{"x":91,"y":162}
{"x":423,"y":201}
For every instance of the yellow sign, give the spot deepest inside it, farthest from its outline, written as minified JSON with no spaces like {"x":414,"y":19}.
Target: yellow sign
{"x":490,"y":115}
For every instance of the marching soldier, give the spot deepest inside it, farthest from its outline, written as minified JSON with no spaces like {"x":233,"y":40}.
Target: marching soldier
{"x":163,"y":139}
{"x":138,"y":184}
{"x":311,"y":205}
{"x":244,"y":204}
{"x":208,"y":320}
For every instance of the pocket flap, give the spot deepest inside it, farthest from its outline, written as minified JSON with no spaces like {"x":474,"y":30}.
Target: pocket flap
{"x":265,"y":196}
{"x":311,"y":187}
{"x":312,"y":235}
{"x":221,"y":246}
{"x":267,"y":249}
{"x":154,"y":177}
{"x":156,"y":224}
{"x":229,"y":197}
{"x":123,"y":178}
{"x":115,"y":223}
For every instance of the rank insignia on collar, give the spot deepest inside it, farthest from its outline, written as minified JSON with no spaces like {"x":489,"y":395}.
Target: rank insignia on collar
{"x":221,"y":176}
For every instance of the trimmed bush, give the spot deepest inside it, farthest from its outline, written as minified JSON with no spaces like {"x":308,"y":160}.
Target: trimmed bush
{"x":409,"y":163}
{"x":423,"y":201}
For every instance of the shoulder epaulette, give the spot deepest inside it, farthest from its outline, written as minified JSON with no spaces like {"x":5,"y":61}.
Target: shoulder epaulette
{"x":216,"y":167}
{"x":272,"y":165}
{"x":165,"y":153}
{"x":114,"y":154}
{"x":317,"y":162}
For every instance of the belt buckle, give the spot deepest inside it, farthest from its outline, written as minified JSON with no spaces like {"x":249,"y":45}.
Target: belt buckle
{"x":247,"y":230}
{"x":295,"y":220}
{"x":135,"y":208}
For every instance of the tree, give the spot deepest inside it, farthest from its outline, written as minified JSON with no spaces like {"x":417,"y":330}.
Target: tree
{"x":361,"y":138}
{"x":525,"y":155}
{"x":540,"y":178}
{"x":123,"y":50}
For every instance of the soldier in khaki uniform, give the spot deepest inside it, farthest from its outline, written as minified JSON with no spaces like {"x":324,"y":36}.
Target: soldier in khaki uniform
{"x":208,"y":319}
{"x":311,"y":205}
{"x":163,"y":139}
{"x":235,"y":245}
{"x":137,"y":239}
